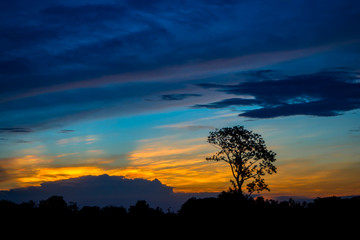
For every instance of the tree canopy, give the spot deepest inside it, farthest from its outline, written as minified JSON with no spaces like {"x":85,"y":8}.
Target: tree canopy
{"x":247,"y":155}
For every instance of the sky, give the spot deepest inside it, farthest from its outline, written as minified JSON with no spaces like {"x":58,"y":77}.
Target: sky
{"x":131,"y":89}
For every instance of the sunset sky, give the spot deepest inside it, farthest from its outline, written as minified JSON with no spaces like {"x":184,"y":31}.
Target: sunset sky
{"x":133,"y":88}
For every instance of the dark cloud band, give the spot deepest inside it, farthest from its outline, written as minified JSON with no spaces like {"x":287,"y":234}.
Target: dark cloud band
{"x":177,"y":97}
{"x":326,"y":93}
{"x":16,"y":130}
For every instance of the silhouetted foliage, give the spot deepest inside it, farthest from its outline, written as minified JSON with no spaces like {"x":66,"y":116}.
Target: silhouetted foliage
{"x":114,"y":212}
{"x":90,"y":211}
{"x":231,"y":206}
{"x":56,"y":203}
{"x":142,"y":210}
{"x":247,"y":155}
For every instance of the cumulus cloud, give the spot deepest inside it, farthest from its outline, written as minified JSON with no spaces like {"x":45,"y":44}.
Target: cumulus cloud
{"x":103,"y":190}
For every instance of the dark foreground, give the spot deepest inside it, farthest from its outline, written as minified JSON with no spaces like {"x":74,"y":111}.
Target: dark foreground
{"x":227,"y":214}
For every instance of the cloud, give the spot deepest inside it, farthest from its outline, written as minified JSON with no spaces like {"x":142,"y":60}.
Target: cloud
{"x":83,"y":103}
{"x":325,"y":93}
{"x":103,"y":190}
{"x":178,"y":163}
{"x":66,"y":131}
{"x":313,"y":178}
{"x":66,"y":155}
{"x":4,"y":176}
{"x":229,"y":102}
{"x":24,"y":141}
{"x":81,"y":139}
{"x":179,"y":96}
{"x":89,"y":14}
{"x":16,"y":130}
{"x":13,"y":66}
{"x":186,"y":126}
{"x":96,"y":151}
{"x":93,"y":55}
{"x":73,"y":42}
{"x":354,"y":132}
{"x":175,"y":162}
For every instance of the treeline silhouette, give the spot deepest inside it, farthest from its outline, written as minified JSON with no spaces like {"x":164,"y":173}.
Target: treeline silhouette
{"x":226,"y":209}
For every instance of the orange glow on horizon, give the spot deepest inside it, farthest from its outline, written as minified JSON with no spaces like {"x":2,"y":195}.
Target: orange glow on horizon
{"x":185,"y":169}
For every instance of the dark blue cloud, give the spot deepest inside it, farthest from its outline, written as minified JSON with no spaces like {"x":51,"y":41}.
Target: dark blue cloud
{"x":73,"y":41}
{"x":103,"y":190}
{"x":66,"y":131}
{"x":229,"y":102}
{"x":179,"y":96}
{"x":16,"y":130}
{"x":47,"y":43}
{"x":327,"y":93}
{"x":84,"y":14}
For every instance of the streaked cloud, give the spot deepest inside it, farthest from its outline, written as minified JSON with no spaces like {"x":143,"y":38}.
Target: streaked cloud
{"x":179,"y":163}
{"x":66,"y":131}
{"x":186,"y":126}
{"x":16,"y":130}
{"x":66,"y":155}
{"x":97,"y":151}
{"x":46,"y":174}
{"x":131,"y":88}
{"x":309,"y":177}
{"x":81,"y":139}
{"x":178,"y":96}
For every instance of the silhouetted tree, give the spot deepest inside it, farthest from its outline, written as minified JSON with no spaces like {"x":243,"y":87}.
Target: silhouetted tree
{"x":73,"y":207}
{"x":90,"y":211}
{"x":252,"y":215}
{"x":53,"y":203}
{"x":143,"y":210}
{"x":140,"y":209}
{"x":114,"y":212}
{"x":247,"y":155}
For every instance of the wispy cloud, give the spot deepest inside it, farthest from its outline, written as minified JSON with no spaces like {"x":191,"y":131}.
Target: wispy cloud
{"x":66,"y":155}
{"x":36,"y":168}
{"x":179,"y":96}
{"x":90,"y":60}
{"x":24,"y":141}
{"x":96,"y":151}
{"x":179,"y":72}
{"x":179,"y":163}
{"x":356,"y":130}
{"x":309,"y":177}
{"x":81,"y":139}
{"x":66,"y":131}
{"x":16,"y":130}
{"x":186,"y":126}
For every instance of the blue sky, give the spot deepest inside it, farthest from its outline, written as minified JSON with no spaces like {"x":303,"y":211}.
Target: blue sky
{"x":132,"y":88}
